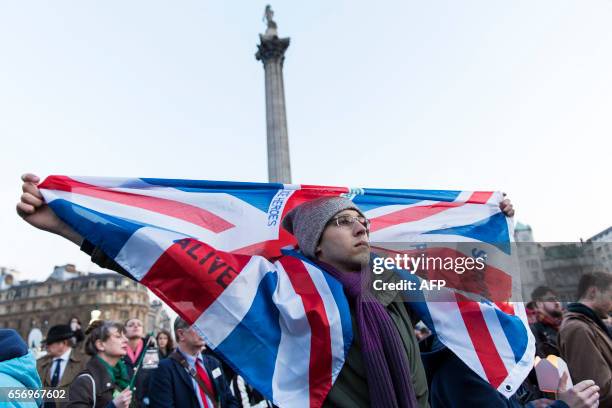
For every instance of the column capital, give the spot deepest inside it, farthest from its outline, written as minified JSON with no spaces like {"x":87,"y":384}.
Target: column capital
{"x":271,"y":48}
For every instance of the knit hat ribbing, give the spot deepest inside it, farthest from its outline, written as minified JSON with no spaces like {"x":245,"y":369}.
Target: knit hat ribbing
{"x":308,"y":220}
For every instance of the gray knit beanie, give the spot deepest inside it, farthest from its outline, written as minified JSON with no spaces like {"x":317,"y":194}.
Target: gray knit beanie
{"x":307,"y":221}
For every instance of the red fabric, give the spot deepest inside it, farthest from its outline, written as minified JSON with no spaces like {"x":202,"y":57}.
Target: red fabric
{"x":206,"y":379}
{"x":554,"y":322}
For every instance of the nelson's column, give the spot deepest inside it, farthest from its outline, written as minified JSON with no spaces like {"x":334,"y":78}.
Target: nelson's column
{"x":271,"y":52}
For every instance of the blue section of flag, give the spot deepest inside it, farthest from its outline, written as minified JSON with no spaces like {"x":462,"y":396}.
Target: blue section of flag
{"x":376,"y":197}
{"x":253,"y":344}
{"x":515,"y":333}
{"x":103,"y":230}
{"x":493,"y":230}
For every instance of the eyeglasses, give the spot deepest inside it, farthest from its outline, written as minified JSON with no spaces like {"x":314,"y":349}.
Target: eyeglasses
{"x":349,"y":221}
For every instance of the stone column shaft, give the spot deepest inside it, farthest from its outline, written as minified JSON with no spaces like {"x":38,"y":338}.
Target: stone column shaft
{"x":272,"y":54}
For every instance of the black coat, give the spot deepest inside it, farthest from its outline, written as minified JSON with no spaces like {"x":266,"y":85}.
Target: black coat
{"x":80,"y":394}
{"x":142,"y":381}
{"x":172,"y":386}
{"x":546,"y":339}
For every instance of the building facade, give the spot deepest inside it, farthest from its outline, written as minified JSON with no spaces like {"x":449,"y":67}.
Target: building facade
{"x":560,"y":265}
{"x":33,"y":307}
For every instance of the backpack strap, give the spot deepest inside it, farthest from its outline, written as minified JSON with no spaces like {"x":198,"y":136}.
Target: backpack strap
{"x":179,"y":358}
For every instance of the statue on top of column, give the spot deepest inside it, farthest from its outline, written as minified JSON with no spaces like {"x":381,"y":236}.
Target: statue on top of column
{"x":271,"y":31}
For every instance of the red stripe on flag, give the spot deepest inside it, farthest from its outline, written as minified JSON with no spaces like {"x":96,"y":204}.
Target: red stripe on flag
{"x":420,"y":212}
{"x":190,"y":275}
{"x":410,"y":214}
{"x":311,"y":192}
{"x":506,"y":307}
{"x":479,"y":333}
{"x":492,"y":283}
{"x":320,"y":371}
{"x":480,"y":197}
{"x":176,"y":209}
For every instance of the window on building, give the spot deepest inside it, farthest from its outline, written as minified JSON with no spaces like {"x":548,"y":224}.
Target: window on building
{"x":124,"y":315}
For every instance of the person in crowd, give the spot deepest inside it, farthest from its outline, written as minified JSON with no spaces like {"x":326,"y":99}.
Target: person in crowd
{"x":138,"y":344}
{"x":585,"y":342}
{"x":548,"y":319}
{"x":608,"y":321}
{"x":188,"y":378}
{"x":62,"y":362}
{"x":165,"y":344}
{"x":17,"y":368}
{"x":104,"y":383}
{"x":530,"y":309}
{"x":79,"y":336}
{"x":247,"y":396}
{"x":453,"y":384}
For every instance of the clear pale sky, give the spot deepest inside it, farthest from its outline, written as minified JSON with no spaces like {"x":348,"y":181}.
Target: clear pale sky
{"x":512,"y":95}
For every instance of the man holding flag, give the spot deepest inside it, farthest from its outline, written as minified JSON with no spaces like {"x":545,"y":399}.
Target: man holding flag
{"x":301,"y":329}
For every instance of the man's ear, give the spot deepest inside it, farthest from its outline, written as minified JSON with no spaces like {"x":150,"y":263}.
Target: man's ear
{"x":591,"y":293}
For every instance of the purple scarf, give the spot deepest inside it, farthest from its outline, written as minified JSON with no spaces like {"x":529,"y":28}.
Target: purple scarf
{"x":386,"y":362}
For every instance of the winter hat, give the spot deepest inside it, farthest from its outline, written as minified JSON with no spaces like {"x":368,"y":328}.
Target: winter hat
{"x":11,"y":345}
{"x":308,"y":220}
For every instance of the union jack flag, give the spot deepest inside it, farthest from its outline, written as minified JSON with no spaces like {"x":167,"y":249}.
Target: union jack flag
{"x":215,"y":252}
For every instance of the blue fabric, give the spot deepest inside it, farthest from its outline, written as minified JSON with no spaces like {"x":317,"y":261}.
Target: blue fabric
{"x":171,"y":385}
{"x":11,"y":345}
{"x":17,"y":366}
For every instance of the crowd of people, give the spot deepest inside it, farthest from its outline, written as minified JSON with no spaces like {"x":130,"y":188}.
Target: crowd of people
{"x":580,"y":334}
{"x":387,"y":365}
{"x":116,"y":365}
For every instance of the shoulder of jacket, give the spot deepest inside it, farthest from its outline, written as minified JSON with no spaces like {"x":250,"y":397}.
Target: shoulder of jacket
{"x":575,"y":322}
{"x":43,"y":361}
{"x":77,"y":356}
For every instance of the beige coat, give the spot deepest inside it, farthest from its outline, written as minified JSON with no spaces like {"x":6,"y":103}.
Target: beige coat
{"x":76,"y":364}
{"x":587,"y":349}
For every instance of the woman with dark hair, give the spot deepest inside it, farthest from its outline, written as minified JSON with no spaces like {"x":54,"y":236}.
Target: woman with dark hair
{"x":165,"y":344}
{"x":75,"y":326}
{"x":104,"y":382}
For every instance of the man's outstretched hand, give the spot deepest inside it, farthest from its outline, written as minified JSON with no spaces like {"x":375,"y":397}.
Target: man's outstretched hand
{"x":33,"y":209}
{"x":506,"y":207}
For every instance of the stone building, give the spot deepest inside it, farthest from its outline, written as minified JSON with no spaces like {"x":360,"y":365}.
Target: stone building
{"x":33,"y":307}
{"x":558,"y":265}
{"x":602,"y":247}
{"x":157,"y":318}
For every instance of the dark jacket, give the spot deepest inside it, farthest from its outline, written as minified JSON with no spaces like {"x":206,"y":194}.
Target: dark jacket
{"x":546,"y":339}
{"x":453,"y":384}
{"x":586,"y":346}
{"x":80,"y":394}
{"x":172,"y":386}
{"x":143,"y":377}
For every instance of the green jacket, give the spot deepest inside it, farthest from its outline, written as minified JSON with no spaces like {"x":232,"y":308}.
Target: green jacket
{"x":351,"y":386}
